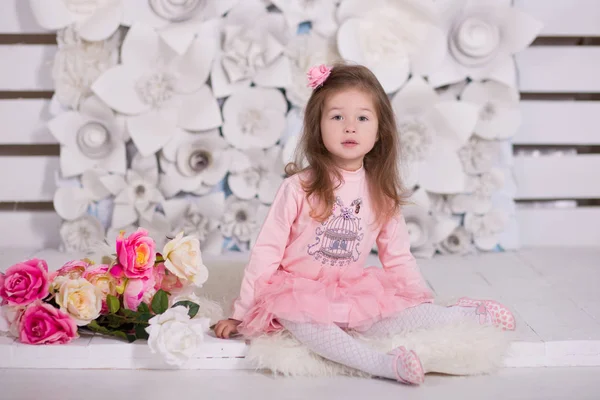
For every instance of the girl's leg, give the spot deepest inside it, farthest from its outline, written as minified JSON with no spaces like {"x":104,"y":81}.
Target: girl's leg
{"x":331,"y":342}
{"x":427,"y":315}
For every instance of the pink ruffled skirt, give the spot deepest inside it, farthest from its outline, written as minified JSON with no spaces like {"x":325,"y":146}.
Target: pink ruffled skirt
{"x":354,"y":298}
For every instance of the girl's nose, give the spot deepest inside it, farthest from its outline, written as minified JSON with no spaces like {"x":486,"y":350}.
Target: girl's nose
{"x":350,"y":129}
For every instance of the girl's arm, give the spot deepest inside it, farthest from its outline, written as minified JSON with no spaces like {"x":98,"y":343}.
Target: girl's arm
{"x":393,"y":244}
{"x":267,"y":253}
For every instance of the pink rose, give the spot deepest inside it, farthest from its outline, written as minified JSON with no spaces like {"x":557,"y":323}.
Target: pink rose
{"x":24,"y":282}
{"x":43,"y":324}
{"x":136,"y":255}
{"x":71,"y":270}
{"x":165,"y":280}
{"x":138,"y":291}
{"x":98,"y":276}
{"x":317,"y":75}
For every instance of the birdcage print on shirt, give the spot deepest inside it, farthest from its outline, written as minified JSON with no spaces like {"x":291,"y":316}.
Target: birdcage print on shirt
{"x":338,"y":238}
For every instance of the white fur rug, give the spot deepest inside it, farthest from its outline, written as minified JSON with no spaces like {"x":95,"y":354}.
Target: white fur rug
{"x":461,"y":349}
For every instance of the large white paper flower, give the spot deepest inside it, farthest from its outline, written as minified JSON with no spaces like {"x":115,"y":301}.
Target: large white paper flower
{"x":81,"y":234}
{"x":256,"y":172}
{"x":194,"y":162}
{"x":136,"y":194}
{"x":254,"y":117}
{"x":294,"y":123}
{"x":253,"y":41}
{"x":304,"y":52}
{"x":160,"y":91}
{"x":431,"y":133}
{"x":78,"y":63}
{"x":392,"y":38}
{"x":90,"y":138}
{"x":500,"y":114}
{"x":72,"y":202}
{"x":482,"y":37}
{"x":240,"y":219}
{"x":320,"y":13}
{"x":177,"y":22}
{"x":479,"y":155}
{"x":93,"y":19}
{"x":200,"y":217}
{"x":478,"y":193}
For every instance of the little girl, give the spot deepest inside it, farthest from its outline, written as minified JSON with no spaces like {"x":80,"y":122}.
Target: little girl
{"x":306,"y":271}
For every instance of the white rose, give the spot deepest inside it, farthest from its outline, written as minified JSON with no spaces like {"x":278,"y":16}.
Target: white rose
{"x":184,"y":260}
{"x":80,"y":299}
{"x":175,"y":336}
{"x":10,"y":318}
{"x":208,"y":308}
{"x":4,"y":324}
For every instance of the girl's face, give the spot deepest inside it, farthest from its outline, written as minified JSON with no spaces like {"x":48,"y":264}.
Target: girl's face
{"x":349,"y":127}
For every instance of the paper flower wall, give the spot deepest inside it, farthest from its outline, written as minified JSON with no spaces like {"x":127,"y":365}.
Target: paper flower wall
{"x":180,"y":115}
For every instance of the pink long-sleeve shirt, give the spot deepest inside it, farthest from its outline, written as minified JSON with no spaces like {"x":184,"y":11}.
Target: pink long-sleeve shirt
{"x":293,"y":241}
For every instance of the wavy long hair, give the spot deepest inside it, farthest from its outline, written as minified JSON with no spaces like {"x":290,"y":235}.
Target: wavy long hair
{"x":381,"y":163}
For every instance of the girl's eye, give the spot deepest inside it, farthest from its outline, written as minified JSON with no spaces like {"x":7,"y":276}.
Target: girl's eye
{"x":337,"y":117}
{"x":363,"y":118}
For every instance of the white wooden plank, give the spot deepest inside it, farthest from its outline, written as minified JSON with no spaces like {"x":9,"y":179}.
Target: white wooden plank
{"x":27,"y":230}
{"x":24,"y":121}
{"x":28,"y":178}
{"x":559,"y":122}
{"x":555,"y":176}
{"x":564,"y":17}
{"x":26,"y":67}
{"x":576,"y":227}
{"x":16,"y":17}
{"x":577,"y":282}
{"x":552,"y":316}
{"x":559,"y":69}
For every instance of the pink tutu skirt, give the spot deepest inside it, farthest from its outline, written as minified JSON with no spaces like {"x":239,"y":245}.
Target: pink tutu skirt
{"x":354,"y":298}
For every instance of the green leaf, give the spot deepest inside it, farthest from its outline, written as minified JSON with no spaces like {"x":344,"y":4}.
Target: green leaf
{"x":143,"y":308}
{"x":192,"y":307}
{"x":160,"y":302}
{"x":145,"y":317}
{"x":113,"y":304}
{"x":140,"y":331}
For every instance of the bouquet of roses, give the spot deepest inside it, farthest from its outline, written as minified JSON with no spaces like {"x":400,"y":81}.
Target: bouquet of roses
{"x":136,"y":294}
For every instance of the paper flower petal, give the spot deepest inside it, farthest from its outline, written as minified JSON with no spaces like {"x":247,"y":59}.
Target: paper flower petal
{"x":200,"y":111}
{"x":70,"y":203}
{"x":193,"y":67}
{"x":116,"y":87}
{"x":93,"y":186}
{"x":103,"y":22}
{"x":141,"y":48}
{"x":51,"y":14}
{"x":416,"y":96}
{"x":455,"y":122}
{"x":123,"y":215}
{"x":442,"y":172}
{"x":152,"y":130}
{"x":520,"y":29}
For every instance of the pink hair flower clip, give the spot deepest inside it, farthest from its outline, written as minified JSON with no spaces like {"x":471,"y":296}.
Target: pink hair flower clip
{"x":317,"y":75}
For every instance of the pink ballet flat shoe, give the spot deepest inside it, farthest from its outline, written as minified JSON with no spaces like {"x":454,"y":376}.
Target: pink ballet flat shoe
{"x":412,"y":370}
{"x":500,"y":316}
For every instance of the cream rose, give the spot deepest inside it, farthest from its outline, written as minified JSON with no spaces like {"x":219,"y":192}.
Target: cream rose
{"x":184,"y":260}
{"x":175,"y":336}
{"x":80,"y":299}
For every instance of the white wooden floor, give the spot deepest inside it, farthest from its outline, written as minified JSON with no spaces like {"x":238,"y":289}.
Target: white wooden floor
{"x":554,"y":293}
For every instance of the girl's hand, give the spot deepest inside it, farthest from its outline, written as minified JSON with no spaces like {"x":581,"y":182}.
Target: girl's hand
{"x":226,"y":328}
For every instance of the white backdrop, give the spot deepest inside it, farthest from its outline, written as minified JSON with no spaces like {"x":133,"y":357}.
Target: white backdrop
{"x":179,"y":115}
